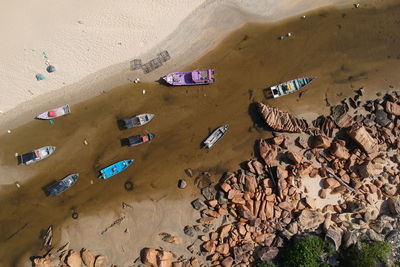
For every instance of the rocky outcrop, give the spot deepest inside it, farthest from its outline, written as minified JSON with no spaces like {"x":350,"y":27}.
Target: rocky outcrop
{"x":310,"y":220}
{"x":280,"y":120}
{"x":359,"y":134}
{"x":157,"y":258}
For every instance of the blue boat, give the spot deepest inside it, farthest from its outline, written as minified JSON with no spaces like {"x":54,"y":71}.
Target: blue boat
{"x":115,"y":168}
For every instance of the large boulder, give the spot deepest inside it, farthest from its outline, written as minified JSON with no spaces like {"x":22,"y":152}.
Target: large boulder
{"x":280,"y":120}
{"x":268,"y":152}
{"x":320,"y":141}
{"x":149,"y":257}
{"x":338,"y":150}
{"x":42,"y":262}
{"x":394,"y":206}
{"x":334,"y":237}
{"x":359,"y":134}
{"x":392,"y":108}
{"x":87,"y":257}
{"x":73,"y":259}
{"x":267,"y":254}
{"x":310,"y":220}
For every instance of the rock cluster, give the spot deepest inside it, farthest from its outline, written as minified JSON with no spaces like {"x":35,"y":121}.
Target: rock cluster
{"x":264,"y":204}
{"x":69,"y":257}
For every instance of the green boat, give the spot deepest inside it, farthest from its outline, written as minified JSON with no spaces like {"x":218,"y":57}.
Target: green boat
{"x":290,"y":86}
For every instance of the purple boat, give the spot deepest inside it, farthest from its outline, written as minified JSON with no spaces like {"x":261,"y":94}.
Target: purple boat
{"x":195,"y":77}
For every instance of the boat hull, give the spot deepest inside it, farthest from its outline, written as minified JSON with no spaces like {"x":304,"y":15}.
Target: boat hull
{"x":54,"y":113}
{"x":196,"y":77}
{"x":115,"y":168}
{"x":136,"y":121}
{"x":140,"y":139}
{"x":289,"y":87}
{"x":36,"y":155}
{"x":215,"y":136}
{"x":60,"y":186}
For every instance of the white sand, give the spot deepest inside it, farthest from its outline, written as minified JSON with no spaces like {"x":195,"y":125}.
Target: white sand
{"x":92,"y":42}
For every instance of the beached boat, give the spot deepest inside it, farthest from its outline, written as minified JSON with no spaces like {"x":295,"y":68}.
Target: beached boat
{"x":215,"y":136}
{"x":36,"y":155}
{"x":136,"y":121}
{"x":62,"y":185}
{"x":54,"y":113}
{"x":139,"y":139}
{"x":195,"y":77}
{"x":115,"y":168}
{"x":290,"y":86}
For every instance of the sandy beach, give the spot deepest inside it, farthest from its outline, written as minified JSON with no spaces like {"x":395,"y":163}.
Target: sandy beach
{"x":92,"y":47}
{"x":92,"y":43}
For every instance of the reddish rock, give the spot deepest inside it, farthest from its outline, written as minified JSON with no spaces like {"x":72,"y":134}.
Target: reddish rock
{"x":320,"y":141}
{"x":250,"y":167}
{"x":339,"y":151}
{"x":233,"y":193}
{"x":305,"y":171}
{"x":164,"y":258}
{"x":295,"y":157}
{"x":322,"y":193}
{"x":269,"y":210}
{"x":250,"y":184}
{"x":268,"y":152}
{"x":338,"y":190}
{"x":278,"y":140}
{"x":392,"y":108}
{"x":209,"y":246}
{"x":281,"y":173}
{"x":280,"y":120}
{"x":330,"y":183}
{"x":224,"y":230}
{"x":359,"y":134}
{"x":310,"y":202}
{"x":149,"y":257}
{"x":42,"y":262}
{"x":227,"y":262}
{"x":310,"y":219}
{"x":344,"y":121}
{"x":212,"y":203}
{"x":211,"y":213}
{"x":258,"y":167}
{"x":238,"y":200}
{"x":87,"y":257}
{"x":286,"y":206}
{"x":345,"y":178}
{"x":225,"y":187}
{"x":74,"y":260}
{"x":301,"y":142}
{"x":223,"y":249}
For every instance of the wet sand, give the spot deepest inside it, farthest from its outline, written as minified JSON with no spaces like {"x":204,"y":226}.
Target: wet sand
{"x":345,"y":49}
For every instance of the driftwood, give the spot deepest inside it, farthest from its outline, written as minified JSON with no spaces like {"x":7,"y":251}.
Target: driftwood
{"x":330,"y":171}
{"x":117,"y":221}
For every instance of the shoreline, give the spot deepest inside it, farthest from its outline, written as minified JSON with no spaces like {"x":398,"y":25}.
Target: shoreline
{"x":373,"y":80}
{"x":194,"y":42}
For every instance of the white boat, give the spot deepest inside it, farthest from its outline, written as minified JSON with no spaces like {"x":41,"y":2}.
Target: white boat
{"x":290,"y":86}
{"x":54,"y":113}
{"x":215,"y":136}
{"x":36,"y":155}
{"x":136,"y":121}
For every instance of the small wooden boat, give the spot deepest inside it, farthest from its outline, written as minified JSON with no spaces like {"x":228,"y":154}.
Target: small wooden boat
{"x":115,"y":168}
{"x":36,"y":155}
{"x":54,"y":113}
{"x":62,"y":185}
{"x":290,"y":86}
{"x":215,"y":136}
{"x":195,"y":77}
{"x":136,"y":121}
{"x":139,"y":139}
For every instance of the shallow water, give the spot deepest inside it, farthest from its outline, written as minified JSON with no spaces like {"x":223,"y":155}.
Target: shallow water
{"x":345,"y":49}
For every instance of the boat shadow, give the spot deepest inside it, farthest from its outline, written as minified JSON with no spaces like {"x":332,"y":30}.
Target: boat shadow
{"x":44,"y":188}
{"x":161,"y":81}
{"x":124,"y":142}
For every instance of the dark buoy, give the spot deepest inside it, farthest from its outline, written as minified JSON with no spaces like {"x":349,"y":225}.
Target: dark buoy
{"x":51,"y":69}
{"x":128,"y":186}
{"x":75,"y":215}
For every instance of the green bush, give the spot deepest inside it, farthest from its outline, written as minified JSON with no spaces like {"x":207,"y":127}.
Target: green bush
{"x":369,"y":255}
{"x":305,"y":253}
